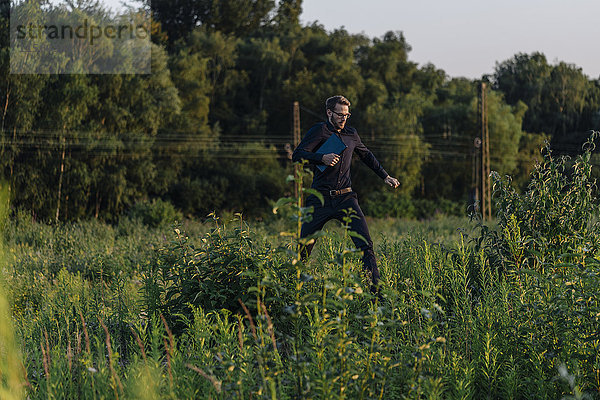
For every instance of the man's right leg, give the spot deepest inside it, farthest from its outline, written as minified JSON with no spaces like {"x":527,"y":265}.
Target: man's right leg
{"x":358,"y":224}
{"x":320,"y":215}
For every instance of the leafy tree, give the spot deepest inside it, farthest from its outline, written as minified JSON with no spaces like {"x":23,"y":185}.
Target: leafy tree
{"x":179,"y":18}
{"x":288,"y":14}
{"x":264,"y":62}
{"x":223,"y":78}
{"x":451,"y":125}
{"x":560,"y":99}
{"x":83,"y":145}
{"x":397,"y":136}
{"x":188,"y":135}
{"x":394,"y":105}
{"x":565,"y":98}
{"x":386,"y":60}
{"x":69,"y":99}
{"x":242,"y":178}
{"x":129,"y":125}
{"x":323,"y":66}
{"x":237,"y":17}
{"x":504,"y":125}
{"x":20,"y":97}
{"x":522,"y":78}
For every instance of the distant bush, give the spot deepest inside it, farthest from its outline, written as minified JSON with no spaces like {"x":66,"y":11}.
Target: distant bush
{"x":155,"y":213}
{"x":92,"y":248}
{"x":396,"y":205}
{"x":388,"y":204}
{"x":245,"y":183}
{"x":427,"y":209}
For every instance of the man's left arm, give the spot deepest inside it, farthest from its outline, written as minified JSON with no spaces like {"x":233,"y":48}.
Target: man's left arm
{"x":369,"y":159}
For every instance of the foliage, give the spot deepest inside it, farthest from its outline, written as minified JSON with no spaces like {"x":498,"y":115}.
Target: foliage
{"x":142,"y":310}
{"x":246,"y":181}
{"x":451,"y":123}
{"x":97,"y":251}
{"x":211,"y":276}
{"x":155,"y":213}
{"x":224,"y":77}
{"x":11,"y":382}
{"x":428,"y":209}
{"x":383,"y":204}
{"x":547,"y":244}
{"x":388,"y":204}
{"x":556,"y":215}
{"x":561,"y":100}
{"x":451,"y":325}
{"x":511,"y":313}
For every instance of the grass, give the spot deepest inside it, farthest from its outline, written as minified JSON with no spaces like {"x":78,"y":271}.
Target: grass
{"x":225,"y":310}
{"x":450,"y":326}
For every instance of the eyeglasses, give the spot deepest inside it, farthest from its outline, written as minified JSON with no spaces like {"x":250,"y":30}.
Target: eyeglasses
{"x":343,"y":116}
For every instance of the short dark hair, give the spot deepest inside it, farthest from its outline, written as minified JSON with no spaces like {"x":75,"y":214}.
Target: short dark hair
{"x":339,"y":99}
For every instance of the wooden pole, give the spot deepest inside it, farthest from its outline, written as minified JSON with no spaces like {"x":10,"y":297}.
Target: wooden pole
{"x":483,"y":144}
{"x":476,"y":180}
{"x":487,"y":161}
{"x":296,"y":132}
{"x":486,"y":190}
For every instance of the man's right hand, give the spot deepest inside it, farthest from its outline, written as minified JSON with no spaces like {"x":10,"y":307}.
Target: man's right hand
{"x":330,"y":159}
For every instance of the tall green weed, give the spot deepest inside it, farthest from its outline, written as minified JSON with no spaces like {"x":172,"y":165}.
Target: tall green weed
{"x":556,"y":215}
{"x":229,"y":310}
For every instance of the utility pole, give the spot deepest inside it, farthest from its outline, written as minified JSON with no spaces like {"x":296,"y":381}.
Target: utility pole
{"x":296,"y":133}
{"x":476,"y":175}
{"x":486,"y":190}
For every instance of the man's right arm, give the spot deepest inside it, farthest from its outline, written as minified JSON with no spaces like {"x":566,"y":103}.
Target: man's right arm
{"x":307,"y":146}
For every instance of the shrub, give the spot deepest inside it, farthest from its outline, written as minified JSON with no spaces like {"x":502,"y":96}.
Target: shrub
{"x":557,"y":214}
{"x":155,"y":213}
{"x":427,"y":209}
{"x":212,"y":275}
{"x":383,"y":204}
{"x":548,"y":247}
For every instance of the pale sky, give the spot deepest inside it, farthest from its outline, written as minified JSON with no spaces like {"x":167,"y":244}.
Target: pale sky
{"x":467,"y":37}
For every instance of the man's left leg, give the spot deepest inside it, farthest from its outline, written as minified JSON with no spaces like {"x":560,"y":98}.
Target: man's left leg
{"x":358,"y":224}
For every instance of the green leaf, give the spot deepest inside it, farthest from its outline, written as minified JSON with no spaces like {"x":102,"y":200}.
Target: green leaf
{"x":316,"y":193}
{"x":316,"y":235}
{"x":306,"y":241}
{"x":282,"y":202}
{"x":531,"y":272}
{"x":357,"y":235}
{"x":307,"y":210}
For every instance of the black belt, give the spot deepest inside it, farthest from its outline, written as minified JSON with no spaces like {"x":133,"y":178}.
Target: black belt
{"x":333,"y":193}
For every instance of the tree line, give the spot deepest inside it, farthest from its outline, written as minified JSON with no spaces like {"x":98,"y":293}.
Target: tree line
{"x":207,"y":129}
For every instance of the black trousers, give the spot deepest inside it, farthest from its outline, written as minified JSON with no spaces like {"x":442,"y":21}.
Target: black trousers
{"x":334,"y":208}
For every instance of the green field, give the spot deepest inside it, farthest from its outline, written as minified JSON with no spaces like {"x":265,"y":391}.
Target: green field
{"x":223,"y":309}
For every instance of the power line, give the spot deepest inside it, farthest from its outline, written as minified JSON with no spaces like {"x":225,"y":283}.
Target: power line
{"x":122,"y":145}
{"x":311,"y":112}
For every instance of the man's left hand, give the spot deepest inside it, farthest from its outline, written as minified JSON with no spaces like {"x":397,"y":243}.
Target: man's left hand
{"x":393,"y":182}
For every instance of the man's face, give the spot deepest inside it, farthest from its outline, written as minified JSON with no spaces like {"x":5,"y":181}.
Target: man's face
{"x":338,"y":116}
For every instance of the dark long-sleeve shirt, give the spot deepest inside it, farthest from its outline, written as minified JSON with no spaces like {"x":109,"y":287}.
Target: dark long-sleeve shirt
{"x":338,"y":176}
